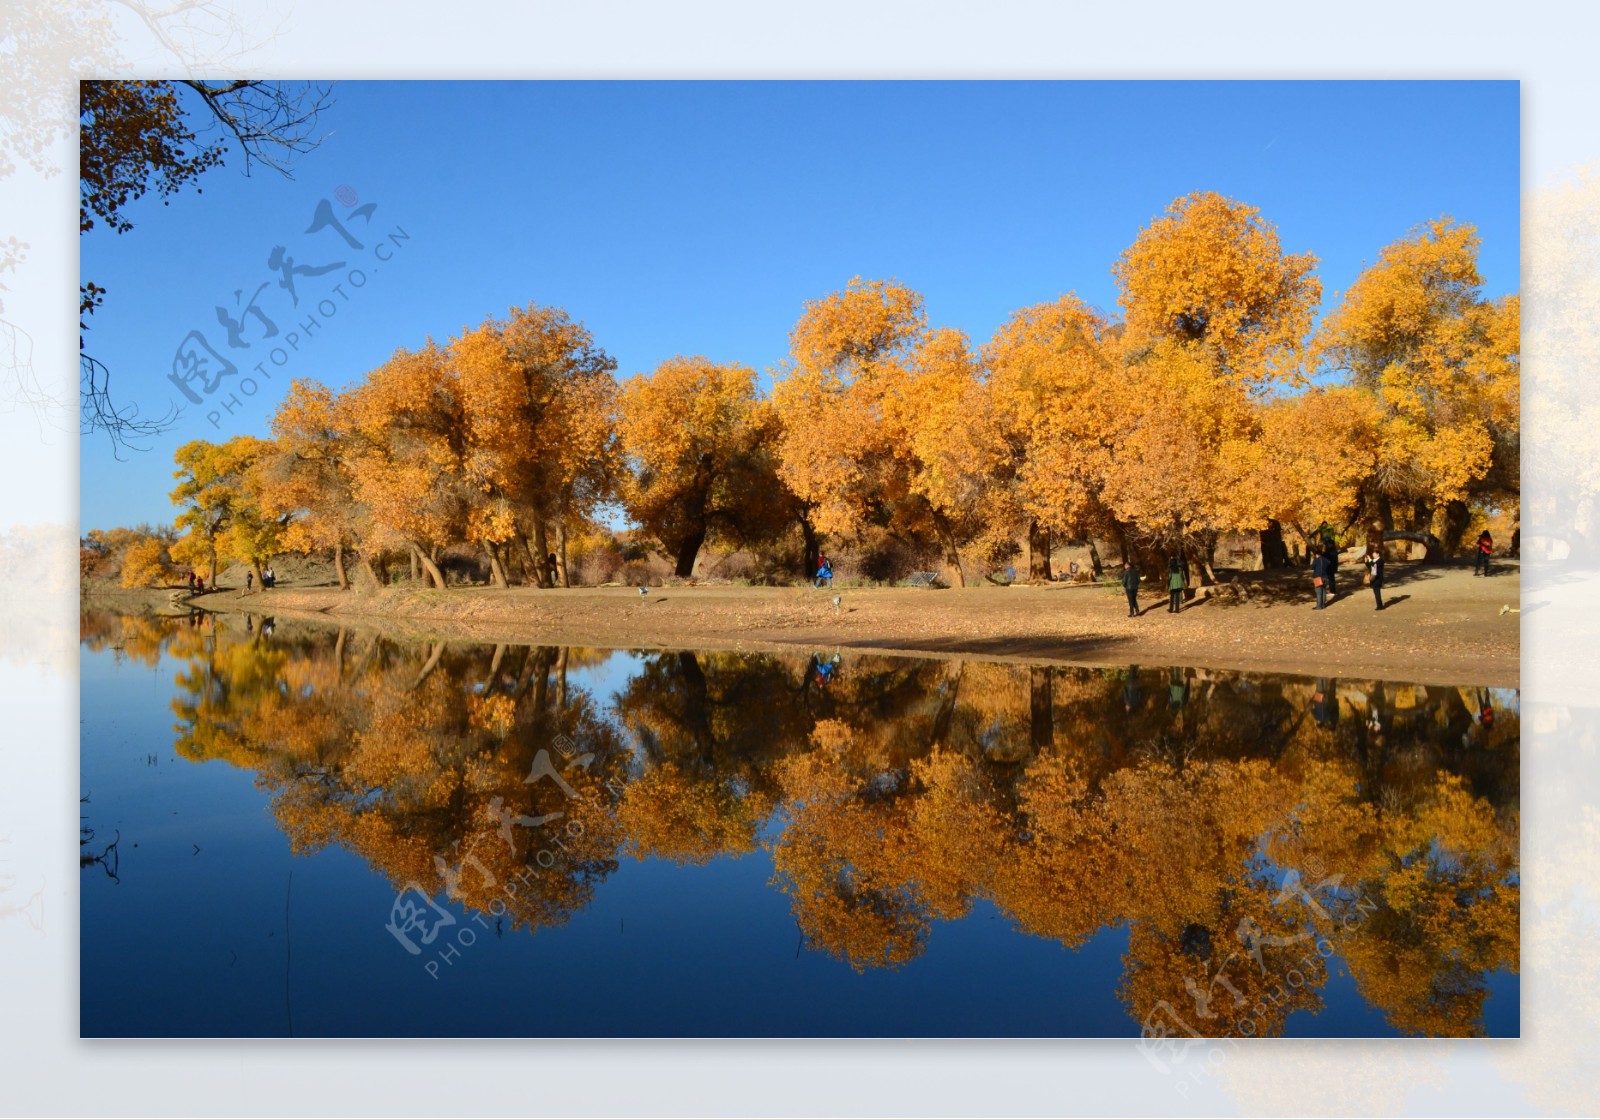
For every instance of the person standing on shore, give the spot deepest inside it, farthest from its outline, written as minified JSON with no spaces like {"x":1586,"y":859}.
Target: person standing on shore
{"x":1175,"y":585}
{"x":1330,"y":548}
{"x":1130,"y":584}
{"x":1319,"y":577}
{"x":1481,"y":554}
{"x":1374,"y":562}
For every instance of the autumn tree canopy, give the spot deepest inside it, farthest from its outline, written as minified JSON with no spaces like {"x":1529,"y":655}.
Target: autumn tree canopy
{"x":1208,"y":408}
{"x":701,"y":446}
{"x":1441,"y":361}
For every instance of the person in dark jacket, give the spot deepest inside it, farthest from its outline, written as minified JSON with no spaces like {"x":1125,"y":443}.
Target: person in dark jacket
{"x":1331,"y":549}
{"x":1319,"y":576}
{"x":1374,"y":562}
{"x":1175,"y":585}
{"x":1130,"y":584}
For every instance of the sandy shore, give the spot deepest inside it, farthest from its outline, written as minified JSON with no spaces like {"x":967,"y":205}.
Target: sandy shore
{"x":1444,"y":625}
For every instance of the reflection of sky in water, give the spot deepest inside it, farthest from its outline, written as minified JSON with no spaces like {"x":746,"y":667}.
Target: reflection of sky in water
{"x":194,"y":940}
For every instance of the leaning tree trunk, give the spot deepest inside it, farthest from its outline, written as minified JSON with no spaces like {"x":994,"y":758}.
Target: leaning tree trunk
{"x":497,"y":571}
{"x":541,"y":546}
{"x":260,"y":580}
{"x":1038,"y":552}
{"x":492,"y":684}
{"x":688,"y":551}
{"x":952,"y":554}
{"x":1208,"y":560}
{"x":1097,"y":566}
{"x":427,"y":669}
{"x":338,"y":567}
{"x":435,"y":576}
{"x":1433,"y":551}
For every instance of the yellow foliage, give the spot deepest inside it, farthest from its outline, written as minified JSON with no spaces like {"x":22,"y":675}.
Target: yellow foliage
{"x":144,"y":563}
{"x":1442,"y":361}
{"x":1211,"y":272}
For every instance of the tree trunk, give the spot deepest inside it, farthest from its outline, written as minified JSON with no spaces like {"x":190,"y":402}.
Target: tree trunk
{"x":561,"y":553}
{"x":497,"y":571}
{"x":1041,"y":703}
{"x":427,"y":669}
{"x":561,"y":680}
{"x":431,"y":568}
{"x":1097,"y":566}
{"x":366,"y":563}
{"x":493,"y":682}
{"x":1038,"y":552}
{"x":1457,"y":518}
{"x":261,"y":583}
{"x":212,"y":582}
{"x":940,"y":731}
{"x":416,"y":572}
{"x":1422,"y":515}
{"x":688,"y":550}
{"x":530,"y":565}
{"x":541,"y":548}
{"x":1385,"y":512}
{"x":697,"y":706}
{"x":812,"y":559}
{"x":1274,"y":552}
{"x":1433,"y":552}
{"x":541,"y":680}
{"x":338,"y":567}
{"x":952,"y":554}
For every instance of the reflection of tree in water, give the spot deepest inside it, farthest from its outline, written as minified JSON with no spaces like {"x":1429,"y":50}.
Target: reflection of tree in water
{"x":1172,"y":801}
{"x":417,"y":758}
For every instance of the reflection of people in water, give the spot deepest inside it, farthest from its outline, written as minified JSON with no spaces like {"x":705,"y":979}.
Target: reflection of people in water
{"x":1325,"y":702}
{"x":1477,"y":732}
{"x":1132,"y":696}
{"x":1177,"y":689}
{"x":826,"y":669}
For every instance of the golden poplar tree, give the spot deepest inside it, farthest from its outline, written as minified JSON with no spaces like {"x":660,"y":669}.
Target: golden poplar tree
{"x":1442,"y":360}
{"x":701,"y":446}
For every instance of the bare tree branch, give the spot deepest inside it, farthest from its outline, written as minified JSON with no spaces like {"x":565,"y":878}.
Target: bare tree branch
{"x":122,"y":424}
{"x":274,"y":123}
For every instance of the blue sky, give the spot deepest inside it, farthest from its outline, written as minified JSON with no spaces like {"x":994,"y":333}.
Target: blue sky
{"x":697,"y":217}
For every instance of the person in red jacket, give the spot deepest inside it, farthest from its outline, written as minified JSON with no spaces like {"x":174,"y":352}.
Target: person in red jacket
{"x":1480,"y":558}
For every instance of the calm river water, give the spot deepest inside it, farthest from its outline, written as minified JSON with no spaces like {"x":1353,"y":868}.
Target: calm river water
{"x":295,"y":830}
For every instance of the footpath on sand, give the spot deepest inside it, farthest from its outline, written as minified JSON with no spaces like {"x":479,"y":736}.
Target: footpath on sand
{"x":1443,"y":625}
